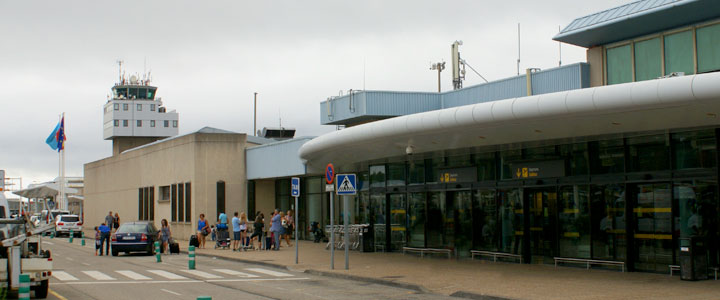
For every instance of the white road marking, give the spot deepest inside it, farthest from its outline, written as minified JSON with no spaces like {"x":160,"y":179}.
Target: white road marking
{"x":180,"y":281}
{"x":87,"y":264}
{"x":171,"y":292}
{"x":235,"y":273}
{"x":98,"y":275}
{"x":167,"y":274}
{"x":269,"y":272}
{"x":201,"y":274}
{"x":49,"y":243}
{"x":133,"y":275}
{"x":64,"y":276}
{"x":68,"y":258}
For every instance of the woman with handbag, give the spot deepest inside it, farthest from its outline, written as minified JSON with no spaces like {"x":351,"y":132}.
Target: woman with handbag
{"x":289,"y":226}
{"x":165,"y":236}
{"x":203,"y":230}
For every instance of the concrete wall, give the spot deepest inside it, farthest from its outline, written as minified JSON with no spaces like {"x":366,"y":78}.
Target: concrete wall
{"x":597,"y":66}
{"x":202,"y":159}
{"x":265,"y":196}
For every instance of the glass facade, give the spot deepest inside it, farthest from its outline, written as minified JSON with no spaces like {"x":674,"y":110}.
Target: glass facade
{"x":625,"y":199}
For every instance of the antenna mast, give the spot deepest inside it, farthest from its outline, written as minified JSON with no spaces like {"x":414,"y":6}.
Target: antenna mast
{"x":518,"y":60}
{"x":559,"y":50}
{"x":120,"y":63}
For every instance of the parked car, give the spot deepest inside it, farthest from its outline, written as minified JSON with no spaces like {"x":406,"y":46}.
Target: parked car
{"x":138,"y":236}
{"x":65,"y":223}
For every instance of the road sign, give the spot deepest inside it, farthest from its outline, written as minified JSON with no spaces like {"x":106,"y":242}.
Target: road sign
{"x":346,"y":184}
{"x":295,"y":186}
{"x":329,"y":173}
{"x":51,"y":204}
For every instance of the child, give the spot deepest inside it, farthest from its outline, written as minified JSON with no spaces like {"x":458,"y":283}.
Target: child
{"x":97,"y":240}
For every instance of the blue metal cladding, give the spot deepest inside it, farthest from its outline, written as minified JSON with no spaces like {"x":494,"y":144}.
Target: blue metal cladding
{"x":368,"y":105}
{"x":272,"y":160}
{"x":617,"y":12}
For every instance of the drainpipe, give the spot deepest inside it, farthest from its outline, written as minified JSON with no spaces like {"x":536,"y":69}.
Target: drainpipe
{"x":528,"y":80}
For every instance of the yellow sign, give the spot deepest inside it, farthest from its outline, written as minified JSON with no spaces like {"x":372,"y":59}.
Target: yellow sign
{"x":524,"y":172}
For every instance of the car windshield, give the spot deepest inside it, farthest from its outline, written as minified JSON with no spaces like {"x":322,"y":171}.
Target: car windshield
{"x":69,"y":219}
{"x":132,"y":228}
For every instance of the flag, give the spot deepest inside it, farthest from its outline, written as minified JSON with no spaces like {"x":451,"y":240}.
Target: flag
{"x":56,"y":140}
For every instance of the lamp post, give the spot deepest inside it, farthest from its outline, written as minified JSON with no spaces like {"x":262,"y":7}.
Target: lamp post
{"x":439,"y":67}
{"x":255,"y":116}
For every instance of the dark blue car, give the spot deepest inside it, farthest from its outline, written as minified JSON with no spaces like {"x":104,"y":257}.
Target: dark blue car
{"x":138,"y":236}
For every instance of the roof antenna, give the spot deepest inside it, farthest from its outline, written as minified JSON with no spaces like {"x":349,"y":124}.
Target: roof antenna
{"x":518,"y":61}
{"x":120,"y":63}
{"x":559,"y":50}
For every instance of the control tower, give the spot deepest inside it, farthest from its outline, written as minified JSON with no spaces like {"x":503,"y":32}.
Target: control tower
{"x":133,"y":116}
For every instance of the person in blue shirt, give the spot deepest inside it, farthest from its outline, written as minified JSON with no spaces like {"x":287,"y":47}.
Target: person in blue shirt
{"x":236,"y":231}
{"x":276,"y":228}
{"x":104,"y":237}
{"x":222,"y":221}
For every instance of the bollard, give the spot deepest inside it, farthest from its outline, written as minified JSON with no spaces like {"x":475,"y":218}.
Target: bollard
{"x":191,"y":257}
{"x":204,"y":298}
{"x":82,"y":238}
{"x":70,"y":238}
{"x":52,"y":235}
{"x":157,"y":251}
{"x":24,"y":290}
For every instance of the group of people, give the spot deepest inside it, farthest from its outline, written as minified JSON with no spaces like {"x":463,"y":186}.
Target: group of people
{"x":280,"y":227}
{"x":102,"y":233}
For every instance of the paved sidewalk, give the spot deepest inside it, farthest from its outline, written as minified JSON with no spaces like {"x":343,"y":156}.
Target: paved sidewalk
{"x":454,"y":277}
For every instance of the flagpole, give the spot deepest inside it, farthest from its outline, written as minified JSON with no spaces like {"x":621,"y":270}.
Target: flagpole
{"x":62,"y":178}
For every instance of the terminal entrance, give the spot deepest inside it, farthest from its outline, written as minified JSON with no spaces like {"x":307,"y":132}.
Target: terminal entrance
{"x":541,"y":223}
{"x":653,"y":229}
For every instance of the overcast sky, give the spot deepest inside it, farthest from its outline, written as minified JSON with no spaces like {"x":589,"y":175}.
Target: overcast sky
{"x":208,"y":57}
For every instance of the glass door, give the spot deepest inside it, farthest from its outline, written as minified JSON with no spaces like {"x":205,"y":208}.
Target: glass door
{"x":512,"y":221}
{"x":398,"y":221}
{"x":463,"y":221}
{"x":436,"y":237}
{"x":377,"y":208}
{"x":542,"y":211}
{"x":485,"y":217}
{"x":653,"y":235}
{"x":416,"y":221}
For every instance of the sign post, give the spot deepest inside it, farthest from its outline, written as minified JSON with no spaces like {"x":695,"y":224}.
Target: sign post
{"x":346,"y":186}
{"x":329,"y":177}
{"x":295,"y":192}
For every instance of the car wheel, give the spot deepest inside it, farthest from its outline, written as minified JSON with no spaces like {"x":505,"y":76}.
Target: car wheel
{"x":41,"y":290}
{"x":150,"y":250}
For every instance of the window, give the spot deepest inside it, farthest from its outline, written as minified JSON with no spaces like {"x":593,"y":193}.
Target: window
{"x":619,"y":65}
{"x":181,"y":202}
{"x":679,"y":53}
{"x":166,"y":123}
{"x":220,"y":196}
{"x":416,"y":172}
{"x":396,"y":174}
{"x":116,"y":106}
{"x":152,"y":123}
{"x":173,"y":202}
{"x":574,"y":221}
{"x":175,"y":123}
{"x":125,"y":123}
{"x":146,"y":203}
{"x":139,"y":107}
{"x":648,"y":153}
{"x":694,"y":149}
{"x":648,"y":60}
{"x":607,"y":157}
{"x":377,"y":176}
{"x":251,"y":200}
{"x":125,"y":106}
{"x":486,"y":166}
{"x":139,"y":123}
{"x":165,"y":193}
{"x":188,"y":202}
{"x":152,"y":107}
{"x":708,"y":56}
{"x":116,"y":123}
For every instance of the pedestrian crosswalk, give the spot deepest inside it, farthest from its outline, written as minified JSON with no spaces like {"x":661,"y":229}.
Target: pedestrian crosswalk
{"x":164,"y":275}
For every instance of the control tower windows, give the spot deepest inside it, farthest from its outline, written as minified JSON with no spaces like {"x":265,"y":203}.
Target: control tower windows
{"x":166,"y":123}
{"x":116,"y":106}
{"x":125,"y":106}
{"x":152,"y":107}
{"x":139,"y":123}
{"x":120,"y":93}
{"x":152,"y":123}
{"x":116,"y":123}
{"x":150,"y":93}
{"x":125,"y":123}
{"x":175,"y":124}
{"x":139,"y":107}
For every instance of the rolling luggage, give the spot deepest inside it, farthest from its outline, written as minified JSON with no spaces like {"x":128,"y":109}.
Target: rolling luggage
{"x":268,"y":243}
{"x":174,"y":248}
{"x":194,"y":241}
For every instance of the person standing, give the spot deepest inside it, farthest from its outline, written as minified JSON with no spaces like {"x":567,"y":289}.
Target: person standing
{"x":203,"y":230}
{"x":243,"y":230}
{"x":109,"y":219}
{"x":257,"y":231}
{"x":98,"y":243}
{"x":165,"y":235}
{"x":289,"y":227}
{"x":276,"y":228}
{"x":105,"y":238}
{"x":236,"y":231}
{"x":116,"y":222}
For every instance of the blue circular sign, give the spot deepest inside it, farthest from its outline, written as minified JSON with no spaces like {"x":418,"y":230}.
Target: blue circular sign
{"x":329,"y":174}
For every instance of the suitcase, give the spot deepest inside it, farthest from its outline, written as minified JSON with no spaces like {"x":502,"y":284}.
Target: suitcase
{"x":194,"y":241}
{"x":174,"y":248}
{"x":268,"y":243}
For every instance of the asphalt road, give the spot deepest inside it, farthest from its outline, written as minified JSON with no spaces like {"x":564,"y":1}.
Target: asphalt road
{"x":79,"y":274}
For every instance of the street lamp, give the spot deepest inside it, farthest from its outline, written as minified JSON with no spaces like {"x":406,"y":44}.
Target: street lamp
{"x":439,"y":67}
{"x":255,"y":116}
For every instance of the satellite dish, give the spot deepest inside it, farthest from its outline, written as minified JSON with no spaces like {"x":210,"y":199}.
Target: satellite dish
{"x":133,"y":79}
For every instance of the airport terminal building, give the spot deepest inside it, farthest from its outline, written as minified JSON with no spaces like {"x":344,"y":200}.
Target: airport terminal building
{"x":613,"y":159}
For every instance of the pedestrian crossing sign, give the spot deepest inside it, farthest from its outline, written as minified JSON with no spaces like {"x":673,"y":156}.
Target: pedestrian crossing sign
{"x":346,"y":184}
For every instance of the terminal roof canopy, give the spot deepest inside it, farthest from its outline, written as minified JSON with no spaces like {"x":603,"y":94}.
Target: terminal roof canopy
{"x":636,"y":19}
{"x":44,"y":190}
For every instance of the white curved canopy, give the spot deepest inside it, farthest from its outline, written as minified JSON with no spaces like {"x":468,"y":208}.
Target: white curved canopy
{"x":677,"y":102}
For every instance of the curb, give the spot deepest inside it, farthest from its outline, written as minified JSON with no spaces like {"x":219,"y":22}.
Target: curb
{"x":469,"y":295}
{"x":409,"y":286}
